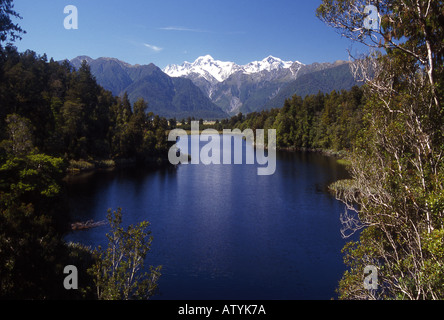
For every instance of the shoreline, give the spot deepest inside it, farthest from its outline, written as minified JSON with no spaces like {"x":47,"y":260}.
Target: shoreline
{"x":79,"y":167}
{"x":327,"y":152}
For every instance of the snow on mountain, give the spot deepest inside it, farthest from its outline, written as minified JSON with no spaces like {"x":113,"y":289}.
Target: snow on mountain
{"x":215,"y":70}
{"x":204,"y":66}
{"x":269,"y":63}
{"x":233,"y":87}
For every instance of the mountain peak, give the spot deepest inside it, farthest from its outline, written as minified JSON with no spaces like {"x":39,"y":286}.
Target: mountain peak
{"x":271,"y":59}
{"x":77,"y":61}
{"x":217,"y":71}
{"x":81,"y":58}
{"x":269,"y":63}
{"x":205,"y":66}
{"x":205,"y":58}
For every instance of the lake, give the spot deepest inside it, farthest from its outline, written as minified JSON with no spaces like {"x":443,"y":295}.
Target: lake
{"x":224,"y":232}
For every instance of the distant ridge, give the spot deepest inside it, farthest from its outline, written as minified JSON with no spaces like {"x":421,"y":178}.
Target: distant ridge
{"x":168,"y":97}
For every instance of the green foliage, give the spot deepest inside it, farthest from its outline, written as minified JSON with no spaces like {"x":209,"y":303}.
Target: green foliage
{"x":9,"y":30}
{"x":118,"y":270}
{"x":335,"y":78}
{"x":20,"y":135}
{"x":322,"y":121}
{"x":65,"y":113}
{"x":52,"y":117}
{"x":32,"y":176}
{"x":31,"y":215}
{"x":396,"y":192}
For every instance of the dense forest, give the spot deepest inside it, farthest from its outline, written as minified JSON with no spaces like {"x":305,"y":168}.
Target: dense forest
{"x":325,"y":122}
{"x":64,"y":112}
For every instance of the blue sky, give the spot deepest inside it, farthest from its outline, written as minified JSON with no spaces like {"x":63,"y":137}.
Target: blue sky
{"x":172,"y":31}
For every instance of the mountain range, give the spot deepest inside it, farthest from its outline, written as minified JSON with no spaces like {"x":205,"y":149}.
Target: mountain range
{"x":214,"y":89}
{"x":261,"y":84}
{"x":218,"y":71}
{"x":166,"y":96}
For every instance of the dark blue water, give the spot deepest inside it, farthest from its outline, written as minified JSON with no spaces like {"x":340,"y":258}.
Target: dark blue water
{"x":222,"y":231}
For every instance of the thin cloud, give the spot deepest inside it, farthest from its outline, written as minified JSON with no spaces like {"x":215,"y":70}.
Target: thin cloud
{"x":154,"y":48}
{"x":185,"y":29}
{"x":171,"y":28}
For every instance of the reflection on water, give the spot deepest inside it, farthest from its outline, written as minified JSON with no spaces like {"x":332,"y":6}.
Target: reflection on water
{"x":222,"y":231}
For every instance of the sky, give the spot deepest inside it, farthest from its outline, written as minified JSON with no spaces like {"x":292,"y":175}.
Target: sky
{"x":173,"y":31}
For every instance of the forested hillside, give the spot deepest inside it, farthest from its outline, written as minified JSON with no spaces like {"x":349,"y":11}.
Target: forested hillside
{"x":327,"y":122}
{"x":63,"y":112}
{"x":338,"y":77}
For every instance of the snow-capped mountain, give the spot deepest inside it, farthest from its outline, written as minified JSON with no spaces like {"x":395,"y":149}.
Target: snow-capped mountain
{"x":232,"y":86}
{"x":268,"y":64}
{"x":215,"y":70}
{"x":206,"y":67}
{"x":211,"y":89}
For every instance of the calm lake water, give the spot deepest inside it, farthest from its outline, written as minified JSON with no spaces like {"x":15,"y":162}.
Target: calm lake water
{"x":222,"y":231}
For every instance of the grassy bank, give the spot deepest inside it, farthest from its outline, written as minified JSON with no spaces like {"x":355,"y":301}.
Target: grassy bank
{"x":83,"y":166}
